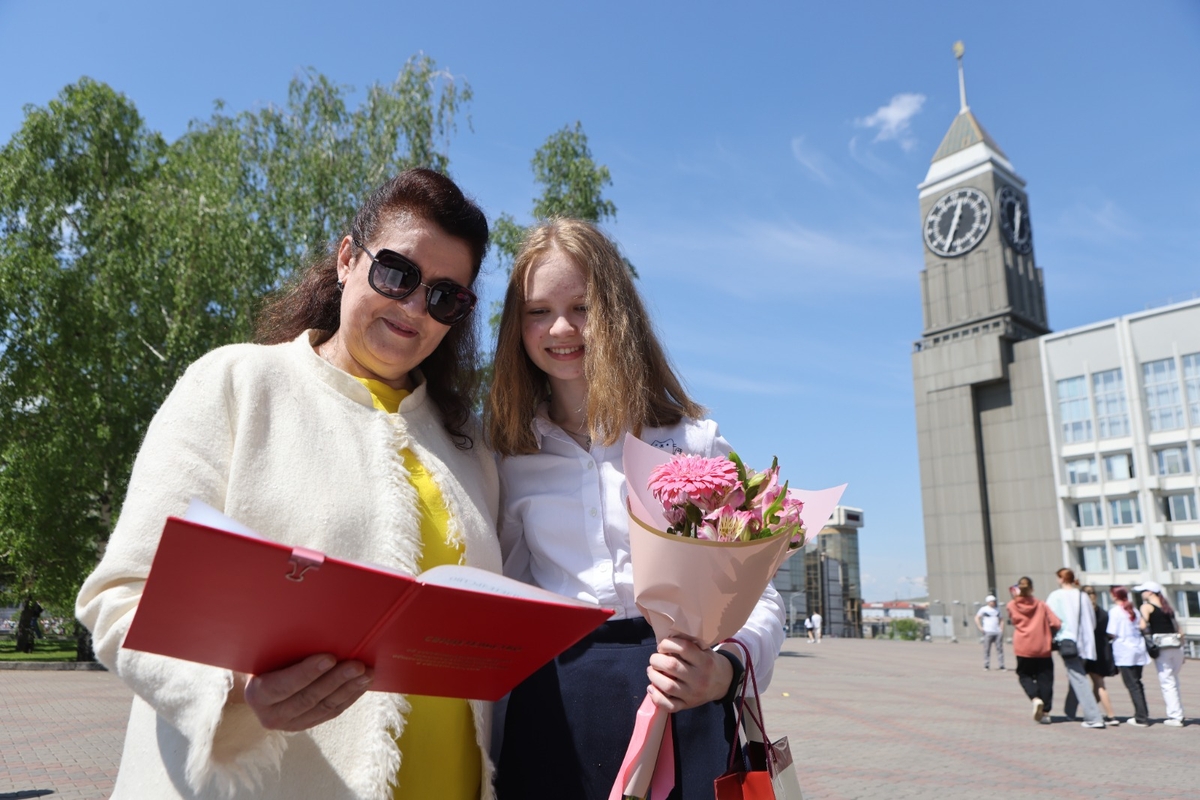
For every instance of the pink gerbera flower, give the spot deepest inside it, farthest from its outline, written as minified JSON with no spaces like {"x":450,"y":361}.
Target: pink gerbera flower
{"x":703,"y":482}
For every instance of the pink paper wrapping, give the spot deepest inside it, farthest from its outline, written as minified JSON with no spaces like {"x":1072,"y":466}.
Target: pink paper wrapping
{"x":699,"y":589}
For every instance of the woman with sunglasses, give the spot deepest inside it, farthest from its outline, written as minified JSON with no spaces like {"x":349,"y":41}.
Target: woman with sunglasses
{"x":347,"y":429}
{"x":577,"y":366}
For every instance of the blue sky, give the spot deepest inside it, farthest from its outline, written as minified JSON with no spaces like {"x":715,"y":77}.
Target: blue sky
{"x":764,"y":161}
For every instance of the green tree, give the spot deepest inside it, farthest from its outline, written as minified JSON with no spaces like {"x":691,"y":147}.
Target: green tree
{"x":123,"y":258}
{"x":572,"y":186}
{"x":907,"y":629}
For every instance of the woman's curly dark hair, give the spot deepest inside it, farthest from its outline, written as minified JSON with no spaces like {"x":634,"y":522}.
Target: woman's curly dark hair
{"x":312,"y":299}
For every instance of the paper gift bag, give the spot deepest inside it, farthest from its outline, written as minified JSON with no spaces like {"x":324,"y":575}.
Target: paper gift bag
{"x":768,"y":771}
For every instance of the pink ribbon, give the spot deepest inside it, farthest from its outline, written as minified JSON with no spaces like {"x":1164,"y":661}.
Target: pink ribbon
{"x":651,"y":739}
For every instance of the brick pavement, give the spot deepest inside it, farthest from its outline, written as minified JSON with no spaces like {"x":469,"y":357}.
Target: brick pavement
{"x":866,"y":719}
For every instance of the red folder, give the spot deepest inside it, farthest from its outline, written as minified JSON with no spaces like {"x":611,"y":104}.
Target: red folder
{"x":238,"y":601}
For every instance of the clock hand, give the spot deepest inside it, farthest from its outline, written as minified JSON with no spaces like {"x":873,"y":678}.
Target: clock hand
{"x":1017,"y":222}
{"x":953,"y":224}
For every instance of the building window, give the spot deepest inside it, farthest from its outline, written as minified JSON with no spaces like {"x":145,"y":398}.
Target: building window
{"x":1162,"y":395}
{"x":1073,"y":410}
{"x":1087,"y":514}
{"x":1182,"y":555}
{"x":1191,"y":378}
{"x":1124,"y":511}
{"x":1128,"y":557}
{"x":1179,"y":507}
{"x":1094,"y":558}
{"x":1118,"y":467}
{"x":1187,"y":603}
{"x":1172,"y":460}
{"x":1082,"y":470}
{"x":1112,"y":416}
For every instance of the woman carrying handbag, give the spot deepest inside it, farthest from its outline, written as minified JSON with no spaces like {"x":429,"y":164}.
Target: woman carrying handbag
{"x":1076,"y":641}
{"x":1159,"y":620}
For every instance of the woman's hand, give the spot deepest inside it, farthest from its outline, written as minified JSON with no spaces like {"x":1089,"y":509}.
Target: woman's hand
{"x":303,"y":695}
{"x":684,"y":675}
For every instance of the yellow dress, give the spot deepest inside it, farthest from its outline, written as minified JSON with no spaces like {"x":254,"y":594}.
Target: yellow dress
{"x":439,"y":756}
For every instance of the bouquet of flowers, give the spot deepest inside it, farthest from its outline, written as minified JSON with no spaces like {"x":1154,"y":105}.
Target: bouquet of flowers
{"x":718,"y":499}
{"x":706,"y":537}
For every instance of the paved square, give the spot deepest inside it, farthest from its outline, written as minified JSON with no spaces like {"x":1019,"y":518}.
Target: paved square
{"x":865,"y":719}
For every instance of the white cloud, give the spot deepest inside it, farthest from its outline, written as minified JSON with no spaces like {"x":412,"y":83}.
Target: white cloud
{"x":812,"y":160}
{"x":891,"y":122}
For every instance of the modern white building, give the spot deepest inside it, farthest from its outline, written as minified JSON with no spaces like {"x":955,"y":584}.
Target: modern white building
{"x":1123,"y":400}
{"x":1037,"y":449}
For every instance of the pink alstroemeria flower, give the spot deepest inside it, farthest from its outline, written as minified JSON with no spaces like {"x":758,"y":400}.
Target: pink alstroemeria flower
{"x":729,"y":524}
{"x":703,"y":482}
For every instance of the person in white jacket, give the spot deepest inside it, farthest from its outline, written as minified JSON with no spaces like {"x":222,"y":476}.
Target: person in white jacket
{"x":294,"y":438}
{"x":1078,"y":626}
{"x":577,"y":366}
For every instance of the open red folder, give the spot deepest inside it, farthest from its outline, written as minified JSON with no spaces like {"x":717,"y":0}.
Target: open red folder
{"x":219,"y":594}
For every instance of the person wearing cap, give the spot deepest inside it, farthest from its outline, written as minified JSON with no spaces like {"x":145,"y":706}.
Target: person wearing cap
{"x":1159,"y":620}
{"x":990,"y":623}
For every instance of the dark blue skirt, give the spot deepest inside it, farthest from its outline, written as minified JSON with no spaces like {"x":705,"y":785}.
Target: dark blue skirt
{"x":568,"y":725}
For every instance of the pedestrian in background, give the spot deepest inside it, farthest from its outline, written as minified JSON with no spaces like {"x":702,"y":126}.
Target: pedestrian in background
{"x":1097,"y":668}
{"x":991,"y":624}
{"x":816,"y":622}
{"x":1076,"y":640}
{"x":808,"y":629}
{"x":1033,"y":624}
{"x":1160,"y":621}
{"x":1129,"y":653}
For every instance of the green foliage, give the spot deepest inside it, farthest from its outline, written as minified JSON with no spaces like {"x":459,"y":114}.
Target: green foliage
{"x":907,"y":629}
{"x":571,"y":181}
{"x":572,"y":186}
{"x":123,"y":258}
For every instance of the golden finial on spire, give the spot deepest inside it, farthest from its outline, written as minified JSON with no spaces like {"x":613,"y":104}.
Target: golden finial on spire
{"x":958,"y":49}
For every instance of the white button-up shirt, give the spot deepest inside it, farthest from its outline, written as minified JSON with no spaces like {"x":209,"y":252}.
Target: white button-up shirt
{"x":564,"y":526}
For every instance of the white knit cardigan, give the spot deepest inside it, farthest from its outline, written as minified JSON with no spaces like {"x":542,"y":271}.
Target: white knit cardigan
{"x":291,"y":446}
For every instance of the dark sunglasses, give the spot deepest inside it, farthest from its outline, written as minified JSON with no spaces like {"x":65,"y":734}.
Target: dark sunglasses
{"x":394,"y":276}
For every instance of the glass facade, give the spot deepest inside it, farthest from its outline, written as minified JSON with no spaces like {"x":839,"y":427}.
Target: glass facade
{"x":1172,"y":460}
{"x":1087,"y":514}
{"x":1179,"y":507}
{"x":1082,"y":470}
{"x":1128,"y":557}
{"x":1118,"y":467}
{"x":1124,"y":511}
{"x":1074,"y":410}
{"x":1112,"y":415}
{"x":1094,"y":558}
{"x":1161,"y":384}
{"x":1191,"y":380}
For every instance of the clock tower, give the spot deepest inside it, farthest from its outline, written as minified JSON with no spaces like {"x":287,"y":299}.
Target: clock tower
{"x":981,"y":414}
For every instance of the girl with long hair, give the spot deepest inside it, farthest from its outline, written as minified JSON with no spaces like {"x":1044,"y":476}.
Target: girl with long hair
{"x":578,"y":366}
{"x":1159,"y":620}
{"x":1129,"y":653}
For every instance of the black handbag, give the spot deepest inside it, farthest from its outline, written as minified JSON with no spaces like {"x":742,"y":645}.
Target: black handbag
{"x":1151,"y":645}
{"x":1069,"y":648}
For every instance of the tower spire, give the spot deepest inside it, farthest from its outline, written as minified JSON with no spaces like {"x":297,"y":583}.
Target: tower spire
{"x":962,"y":83}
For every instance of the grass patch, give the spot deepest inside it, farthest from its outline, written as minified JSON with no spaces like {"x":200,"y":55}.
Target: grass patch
{"x":51,"y":648}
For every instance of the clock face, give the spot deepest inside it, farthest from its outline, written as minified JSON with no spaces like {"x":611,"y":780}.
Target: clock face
{"x":1014,"y":219}
{"x":958,"y":222}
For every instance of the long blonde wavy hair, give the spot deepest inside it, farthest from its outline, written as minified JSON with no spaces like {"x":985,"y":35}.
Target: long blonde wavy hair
{"x":630,"y":381}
